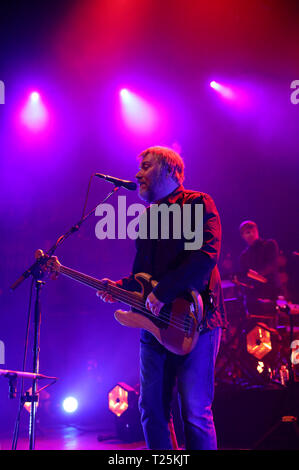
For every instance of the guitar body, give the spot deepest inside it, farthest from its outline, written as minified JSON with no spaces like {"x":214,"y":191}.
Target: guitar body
{"x":177,"y":326}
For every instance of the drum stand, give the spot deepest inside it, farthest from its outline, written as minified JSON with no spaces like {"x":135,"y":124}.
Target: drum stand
{"x":233,"y":349}
{"x":284,"y":435}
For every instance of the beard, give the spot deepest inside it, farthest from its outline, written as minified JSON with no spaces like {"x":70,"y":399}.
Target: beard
{"x":146,"y":194}
{"x":150,"y":191}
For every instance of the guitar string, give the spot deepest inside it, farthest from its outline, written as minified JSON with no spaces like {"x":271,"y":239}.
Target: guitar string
{"x":140,"y":306}
{"x":122,"y":295}
{"x":163,"y":316}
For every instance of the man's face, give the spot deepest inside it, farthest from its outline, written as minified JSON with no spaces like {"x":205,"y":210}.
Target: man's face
{"x":151,"y":178}
{"x":250,"y":235}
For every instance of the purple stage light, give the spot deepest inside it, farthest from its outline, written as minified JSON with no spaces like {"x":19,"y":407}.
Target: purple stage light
{"x":241,"y":96}
{"x":34,"y":96}
{"x":70,"y":404}
{"x":34,"y":114}
{"x":137,"y":113}
{"x":125,"y":94}
{"x":224,"y":90}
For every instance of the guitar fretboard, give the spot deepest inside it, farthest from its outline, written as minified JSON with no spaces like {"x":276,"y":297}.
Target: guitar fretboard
{"x":133,"y":299}
{"x":129,"y":298}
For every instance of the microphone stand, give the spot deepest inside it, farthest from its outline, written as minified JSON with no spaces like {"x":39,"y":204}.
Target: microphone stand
{"x":39,"y":254}
{"x":37,"y":272}
{"x":36,"y":349}
{"x":12,"y":376}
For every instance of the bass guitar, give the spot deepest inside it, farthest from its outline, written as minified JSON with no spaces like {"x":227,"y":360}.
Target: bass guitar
{"x":178,"y":324}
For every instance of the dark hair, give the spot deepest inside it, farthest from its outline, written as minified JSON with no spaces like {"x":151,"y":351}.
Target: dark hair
{"x":247,"y":224}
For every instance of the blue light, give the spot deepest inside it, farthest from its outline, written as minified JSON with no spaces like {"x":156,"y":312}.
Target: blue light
{"x":70,"y":404}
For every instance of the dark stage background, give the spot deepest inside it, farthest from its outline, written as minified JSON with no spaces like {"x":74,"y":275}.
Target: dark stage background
{"x":79,"y":55}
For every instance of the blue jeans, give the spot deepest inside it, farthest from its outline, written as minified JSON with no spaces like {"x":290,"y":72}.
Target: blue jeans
{"x":160,"y":371}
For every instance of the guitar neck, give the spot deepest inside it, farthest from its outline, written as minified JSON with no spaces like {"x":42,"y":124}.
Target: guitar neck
{"x":118,"y":293}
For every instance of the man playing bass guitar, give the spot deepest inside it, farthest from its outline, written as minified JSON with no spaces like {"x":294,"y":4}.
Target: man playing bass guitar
{"x":177,"y":270}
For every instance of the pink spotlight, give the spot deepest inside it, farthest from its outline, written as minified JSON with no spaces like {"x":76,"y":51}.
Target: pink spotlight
{"x":224,"y":90}
{"x":138,"y":114}
{"x":34,"y":96}
{"x":34,"y":114}
{"x":124,"y":93}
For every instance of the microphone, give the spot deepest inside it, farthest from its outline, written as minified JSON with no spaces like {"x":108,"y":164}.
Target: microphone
{"x":130,"y":185}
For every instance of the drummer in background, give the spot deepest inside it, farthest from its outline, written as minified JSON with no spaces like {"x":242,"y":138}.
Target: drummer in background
{"x":259,"y":261}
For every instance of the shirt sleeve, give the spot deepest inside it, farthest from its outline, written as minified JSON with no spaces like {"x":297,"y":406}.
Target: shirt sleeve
{"x":271,"y":257}
{"x":129,"y":282}
{"x":243,"y":263}
{"x":197,"y":265}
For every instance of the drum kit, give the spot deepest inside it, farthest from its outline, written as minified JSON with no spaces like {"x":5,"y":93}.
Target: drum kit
{"x":259,"y":345}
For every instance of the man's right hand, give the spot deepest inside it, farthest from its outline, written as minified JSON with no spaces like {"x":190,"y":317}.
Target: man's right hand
{"x":104,"y":295}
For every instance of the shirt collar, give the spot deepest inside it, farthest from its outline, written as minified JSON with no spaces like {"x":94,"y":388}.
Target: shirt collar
{"x":172,"y":197}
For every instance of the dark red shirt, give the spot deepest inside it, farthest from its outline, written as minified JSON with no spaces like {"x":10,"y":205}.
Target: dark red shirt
{"x":177,"y":269}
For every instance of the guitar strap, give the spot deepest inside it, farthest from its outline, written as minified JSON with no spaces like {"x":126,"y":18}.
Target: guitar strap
{"x":208,"y":298}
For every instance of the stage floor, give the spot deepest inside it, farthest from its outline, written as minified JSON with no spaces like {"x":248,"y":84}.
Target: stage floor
{"x":70,"y":438}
